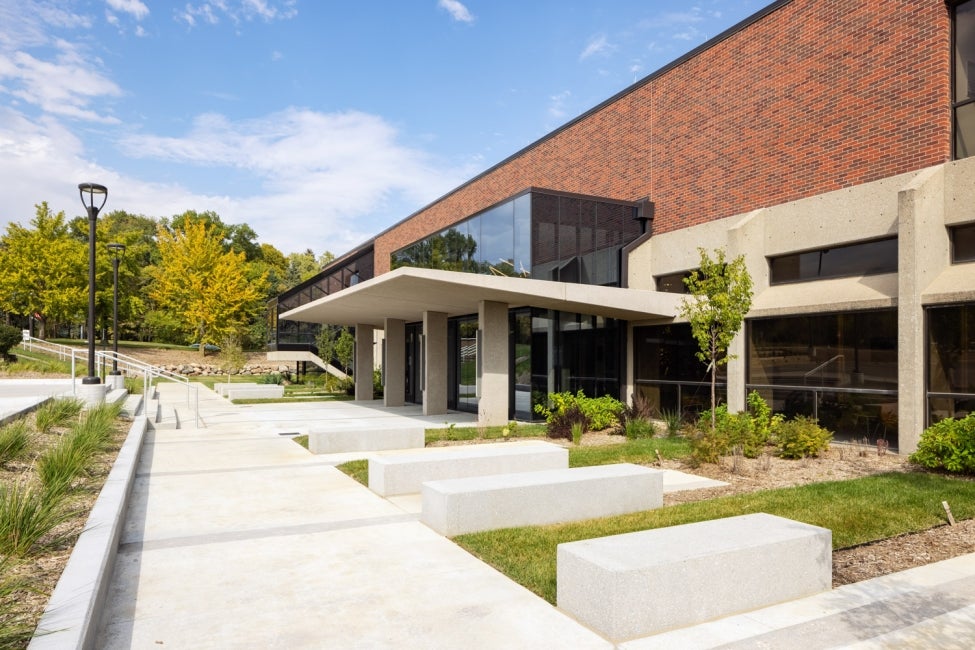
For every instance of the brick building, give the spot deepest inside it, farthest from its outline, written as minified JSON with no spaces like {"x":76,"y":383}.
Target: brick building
{"x":826,"y":141}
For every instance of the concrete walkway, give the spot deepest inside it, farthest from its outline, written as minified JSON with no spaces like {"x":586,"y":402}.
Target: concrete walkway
{"x":237,"y":537}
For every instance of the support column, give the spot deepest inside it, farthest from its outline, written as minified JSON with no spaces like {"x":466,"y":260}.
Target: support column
{"x":434,"y":363}
{"x":495,"y":384}
{"x":922,"y":252}
{"x":364,"y":361}
{"x":394,"y":365}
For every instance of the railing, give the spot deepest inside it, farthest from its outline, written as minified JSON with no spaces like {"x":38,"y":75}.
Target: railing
{"x":127,"y":364}
{"x":822,"y":366}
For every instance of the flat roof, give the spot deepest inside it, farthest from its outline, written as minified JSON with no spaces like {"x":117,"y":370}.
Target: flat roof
{"x":406,"y":293}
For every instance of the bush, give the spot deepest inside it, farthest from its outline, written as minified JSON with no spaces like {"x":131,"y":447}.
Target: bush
{"x":597,"y":413}
{"x":802,"y":437}
{"x":561,"y":425}
{"x":272,"y":378}
{"x":948,"y":445}
{"x":639,"y":428}
{"x":26,"y":516}
{"x":9,"y":337}
{"x":377,"y":383}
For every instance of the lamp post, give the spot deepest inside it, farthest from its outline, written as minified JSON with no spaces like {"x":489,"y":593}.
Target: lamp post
{"x":117,"y":251}
{"x":90,"y":194}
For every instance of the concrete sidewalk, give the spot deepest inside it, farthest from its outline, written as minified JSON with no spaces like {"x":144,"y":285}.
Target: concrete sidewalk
{"x":237,"y":537}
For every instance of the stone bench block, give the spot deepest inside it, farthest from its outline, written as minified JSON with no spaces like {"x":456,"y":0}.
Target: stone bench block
{"x":222,"y":388}
{"x":637,"y":584}
{"x":267,"y":391}
{"x":468,"y":505}
{"x":405,"y":473}
{"x":343,"y":440}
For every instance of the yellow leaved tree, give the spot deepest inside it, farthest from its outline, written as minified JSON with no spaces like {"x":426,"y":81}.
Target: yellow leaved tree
{"x":206,"y":288}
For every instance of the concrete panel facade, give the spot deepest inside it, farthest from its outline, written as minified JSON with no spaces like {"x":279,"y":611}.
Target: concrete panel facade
{"x":365,"y":344}
{"x":394,"y":363}
{"x":434,"y":362}
{"x":494,"y":382}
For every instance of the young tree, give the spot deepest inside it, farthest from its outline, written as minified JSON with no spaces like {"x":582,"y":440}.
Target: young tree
{"x":721,"y":295}
{"x":202,"y":286}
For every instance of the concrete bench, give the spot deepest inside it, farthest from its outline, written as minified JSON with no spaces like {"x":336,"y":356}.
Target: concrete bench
{"x":266,"y":391}
{"x":343,"y":440}
{"x":221,"y":388}
{"x":468,"y":505}
{"x":638,"y":584}
{"x":405,"y":473}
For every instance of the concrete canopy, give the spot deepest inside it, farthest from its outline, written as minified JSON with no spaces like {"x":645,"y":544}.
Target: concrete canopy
{"x":408,"y":292}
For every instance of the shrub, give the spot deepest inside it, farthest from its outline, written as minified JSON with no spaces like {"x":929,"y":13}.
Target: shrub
{"x":58,"y":466}
{"x":57,"y":412}
{"x":597,"y":413}
{"x":14,"y":439}
{"x":272,"y":378}
{"x":377,"y":383}
{"x":9,"y":337}
{"x":577,"y":433}
{"x":560,"y":425}
{"x":638,"y":428}
{"x":948,"y":445}
{"x":765,"y":424}
{"x":672,"y":419}
{"x":802,"y":437}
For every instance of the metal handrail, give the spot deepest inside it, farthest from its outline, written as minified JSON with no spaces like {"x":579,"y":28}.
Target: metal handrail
{"x":821,"y":366}
{"x":125,"y":362}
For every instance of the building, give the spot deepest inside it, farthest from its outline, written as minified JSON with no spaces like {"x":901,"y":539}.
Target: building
{"x":829,"y":142}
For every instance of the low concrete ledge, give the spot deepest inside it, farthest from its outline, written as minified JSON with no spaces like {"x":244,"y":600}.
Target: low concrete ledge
{"x":405,"y":472}
{"x":266,"y":391}
{"x":638,"y":584}
{"x":339,"y":441}
{"x":72,"y":615}
{"x":468,"y":505}
{"x":221,"y":388}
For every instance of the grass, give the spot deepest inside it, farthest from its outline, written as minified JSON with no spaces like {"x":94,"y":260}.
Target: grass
{"x":641,"y":451}
{"x":56,"y":413}
{"x":357,"y":469}
{"x":857,"y":511}
{"x":14,"y":440}
{"x":454,"y":433}
{"x":27,"y":514}
{"x":16,"y":626}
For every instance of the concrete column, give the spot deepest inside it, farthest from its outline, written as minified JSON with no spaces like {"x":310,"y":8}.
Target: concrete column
{"x":746,"y":238}
{"x":364,"y":360}
{"x":492,"y":407}
{"x":922,"y":253}
{"x":434,"y":363}
{"x":394,"y":365}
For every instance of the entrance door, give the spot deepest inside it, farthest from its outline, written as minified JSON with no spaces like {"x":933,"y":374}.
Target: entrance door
{"x":414,"y":376}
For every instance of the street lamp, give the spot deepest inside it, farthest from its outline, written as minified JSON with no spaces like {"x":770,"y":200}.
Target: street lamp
{"x":117,"y":251}
{"x":90,"y":193}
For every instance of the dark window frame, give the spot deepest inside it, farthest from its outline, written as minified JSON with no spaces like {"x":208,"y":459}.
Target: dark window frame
{"x":956,"y":105}
{"x":797,"y":256}
{"x":967,"y":253}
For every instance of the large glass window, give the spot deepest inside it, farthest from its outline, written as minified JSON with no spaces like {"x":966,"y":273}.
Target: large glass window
{"x":669,"y":374}
{"x":866,"y":258}
{"x":839,"y":368}
{"x":964,"y":82}
{"x":462,"y":372}
{"x":548,"y":236}
{"x":951,"y":361}
{"x":963,"y":243}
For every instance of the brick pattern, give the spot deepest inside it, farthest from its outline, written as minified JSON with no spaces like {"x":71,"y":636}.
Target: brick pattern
{"x":816,"y":96}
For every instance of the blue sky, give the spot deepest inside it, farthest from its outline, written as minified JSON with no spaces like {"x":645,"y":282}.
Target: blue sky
{"x":319,"y":123}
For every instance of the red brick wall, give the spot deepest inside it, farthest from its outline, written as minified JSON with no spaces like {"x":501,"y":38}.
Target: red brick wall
{"x":816,"y":96}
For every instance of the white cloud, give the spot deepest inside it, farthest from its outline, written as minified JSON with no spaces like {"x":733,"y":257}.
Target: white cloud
{"x":556,"y":107}
{"x":135,"y":8}
{"x":598,"y":44}
{"x":457,"y":10}
{"x":236,"y":11}
{"x":66,"y":86}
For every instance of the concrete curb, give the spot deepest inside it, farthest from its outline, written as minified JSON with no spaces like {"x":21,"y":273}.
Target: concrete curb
{"x":72,"y":615}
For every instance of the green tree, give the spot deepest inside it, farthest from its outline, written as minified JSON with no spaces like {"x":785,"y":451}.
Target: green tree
{"x":203,"y":287}
{"x":44,"y":270}
{"x":345,"y":349}
{"x":721,"y":295}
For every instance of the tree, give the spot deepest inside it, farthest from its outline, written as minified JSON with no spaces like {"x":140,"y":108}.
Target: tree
{"x":44,"y":270}
{"x":345,"y":349}
{"x":721,"y":295}
{"x":205,"y":288}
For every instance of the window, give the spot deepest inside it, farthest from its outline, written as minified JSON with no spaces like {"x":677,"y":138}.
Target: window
{"x":673,"y":282}
{"x":669,"y":374}
{"x":964,"y":79}
{"x":866,"y":258}
{"x":951,"y":361}
{"x":962,"y":243}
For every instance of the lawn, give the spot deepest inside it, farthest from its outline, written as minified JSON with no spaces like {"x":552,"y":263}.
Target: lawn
{"x":857,"y":511}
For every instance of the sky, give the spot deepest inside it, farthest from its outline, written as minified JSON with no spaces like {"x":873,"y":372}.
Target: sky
{"x":318,"y":123}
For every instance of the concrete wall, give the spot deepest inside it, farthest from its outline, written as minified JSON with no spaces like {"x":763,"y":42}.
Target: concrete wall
{"x":916,"y":207}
